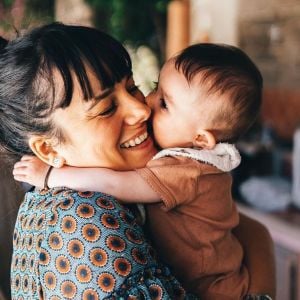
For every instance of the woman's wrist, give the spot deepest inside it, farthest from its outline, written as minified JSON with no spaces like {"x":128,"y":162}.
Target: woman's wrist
{"x":46,"y":180}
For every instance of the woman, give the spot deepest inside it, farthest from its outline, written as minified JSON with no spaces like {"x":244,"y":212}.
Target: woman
{"x":73,"y":101}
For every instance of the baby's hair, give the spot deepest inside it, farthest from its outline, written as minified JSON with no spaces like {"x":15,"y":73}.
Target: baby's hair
{"x":226,"y":70}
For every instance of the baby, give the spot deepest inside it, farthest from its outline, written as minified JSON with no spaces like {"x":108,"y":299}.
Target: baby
{"x":206,"y":98}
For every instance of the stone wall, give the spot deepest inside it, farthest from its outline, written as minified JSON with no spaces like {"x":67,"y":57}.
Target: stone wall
{"x":269,"y":31}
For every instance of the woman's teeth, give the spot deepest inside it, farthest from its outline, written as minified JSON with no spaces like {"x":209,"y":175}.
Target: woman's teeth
{"x":136,"y":141}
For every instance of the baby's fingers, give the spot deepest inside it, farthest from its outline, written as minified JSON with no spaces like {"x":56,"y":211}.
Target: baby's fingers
{"x":28,"y":157}
{"x":20,"y":165}
{"x":20,"y":177}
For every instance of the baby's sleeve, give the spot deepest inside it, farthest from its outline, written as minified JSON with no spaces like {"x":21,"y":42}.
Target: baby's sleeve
{"x":174,"y":179}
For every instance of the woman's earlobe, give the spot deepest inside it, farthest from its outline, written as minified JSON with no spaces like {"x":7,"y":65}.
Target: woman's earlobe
{"x":204,"y":140}
{"x":43,"y":149}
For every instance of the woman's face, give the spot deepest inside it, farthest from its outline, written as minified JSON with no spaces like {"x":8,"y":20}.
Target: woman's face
{"x":109,"y":132}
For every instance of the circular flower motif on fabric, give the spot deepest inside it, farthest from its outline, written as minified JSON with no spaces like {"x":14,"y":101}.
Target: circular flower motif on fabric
{"x":133,"y":236}
{"x":68,"y":289}
{"x":55,"y":298}
{"x":68,"y":224}
{"x":131,"y":297}
{"x":24,"y":223}
{"x":40,"y":222}
{"x":31,"y":221}
{"x":90,"y":294}
{"x":29,"y":241}
{"x":23,"y":262}
{"x":98,"y":257}
{"x":62,"y":264}
{"x":139,"y":256}
{"x":83,"y":273}
{"x":127,"y":218}
{"x":122,"y":266}
{"x":156,"y":292}
{"x":15,"y":236}
{"x":17,"y":282}
{"x":55,"y":241}
{"x":76,"y":248}
{"x":38,"y":242}
{"x":67,"y":203}
{"x":44,"y":257}
{"x":179,"y":292}
{"x":106,"y":282}
{"x":90,"y":232}
{"x":50,"y":280}
{"x":105,"y":203}
{"x":14,"y":262}
{"x":54,"y":218}
{"x":86,"y":194}
{"x":31,"y":263}
{"x":109,"y":221}
{"x":33,"y":287}
{"x":115,"y":243}
{"x":85,"y":211}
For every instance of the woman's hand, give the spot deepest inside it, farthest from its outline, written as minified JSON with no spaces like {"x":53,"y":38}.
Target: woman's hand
{"x":30,"y":169}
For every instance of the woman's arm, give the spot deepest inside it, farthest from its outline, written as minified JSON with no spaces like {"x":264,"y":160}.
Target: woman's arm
{"x":127,"y":186}
{"x":259,"y":255}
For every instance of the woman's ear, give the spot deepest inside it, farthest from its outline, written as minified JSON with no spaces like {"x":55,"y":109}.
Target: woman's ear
{"x":204,"y":140}
{"x":42,"y":148}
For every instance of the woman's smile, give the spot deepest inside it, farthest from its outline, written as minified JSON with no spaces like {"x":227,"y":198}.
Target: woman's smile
{"x":139,"y":139}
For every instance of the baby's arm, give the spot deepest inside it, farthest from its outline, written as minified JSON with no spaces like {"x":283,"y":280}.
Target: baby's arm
{"x":127,"y":186}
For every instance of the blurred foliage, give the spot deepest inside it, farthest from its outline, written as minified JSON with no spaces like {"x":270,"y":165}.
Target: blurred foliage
{"x":138,"y":22}
{"x":42,"y":11}
{"x":35,"y":12}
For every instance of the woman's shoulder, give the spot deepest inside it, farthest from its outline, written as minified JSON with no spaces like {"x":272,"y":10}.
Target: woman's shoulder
{"x":64,"y":199}
{"x":53,"y":204}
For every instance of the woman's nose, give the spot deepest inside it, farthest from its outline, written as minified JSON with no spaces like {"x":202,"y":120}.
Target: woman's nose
{"x":136,"y":111}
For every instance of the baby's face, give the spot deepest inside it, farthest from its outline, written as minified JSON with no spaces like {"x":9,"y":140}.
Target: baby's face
{"x":179,"y":109}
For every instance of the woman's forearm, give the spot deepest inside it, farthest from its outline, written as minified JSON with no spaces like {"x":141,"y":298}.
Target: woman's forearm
{"x":258,"y":255}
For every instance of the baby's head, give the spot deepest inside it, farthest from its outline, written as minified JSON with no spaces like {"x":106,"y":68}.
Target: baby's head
{"x":208,"y":93}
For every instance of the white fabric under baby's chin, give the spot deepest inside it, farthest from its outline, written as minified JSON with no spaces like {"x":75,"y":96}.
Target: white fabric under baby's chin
{"x":223,"y":156}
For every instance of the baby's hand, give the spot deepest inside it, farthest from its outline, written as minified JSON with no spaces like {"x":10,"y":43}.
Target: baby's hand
{"x":30,"y":169}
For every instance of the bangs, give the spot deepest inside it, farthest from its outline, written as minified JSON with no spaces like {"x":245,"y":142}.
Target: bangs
{"x":73,"y":49}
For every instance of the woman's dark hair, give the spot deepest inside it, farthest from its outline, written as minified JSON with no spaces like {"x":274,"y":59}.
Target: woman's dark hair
{"x":3,"y":43}
{"x":226,"y":69}
{"x":27,"y":88}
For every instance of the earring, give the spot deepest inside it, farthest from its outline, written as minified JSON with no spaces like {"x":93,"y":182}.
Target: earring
{"x":58,"y":162}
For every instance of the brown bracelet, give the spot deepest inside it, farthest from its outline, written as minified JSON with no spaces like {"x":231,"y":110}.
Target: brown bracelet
{"x":46,"y":187}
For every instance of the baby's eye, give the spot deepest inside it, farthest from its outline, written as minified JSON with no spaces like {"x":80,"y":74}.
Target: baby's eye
{"x":163,"y":103}
{"x":109,"y":110}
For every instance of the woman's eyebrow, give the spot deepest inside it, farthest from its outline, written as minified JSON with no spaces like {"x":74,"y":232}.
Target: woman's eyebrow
{"x":103,"y":94}
{"x":100,"y":96}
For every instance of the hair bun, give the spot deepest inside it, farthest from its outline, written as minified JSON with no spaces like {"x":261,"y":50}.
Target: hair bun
{"x":3,"y":43}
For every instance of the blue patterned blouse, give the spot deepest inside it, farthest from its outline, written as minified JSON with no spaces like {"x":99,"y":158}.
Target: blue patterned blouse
{"x":84,"y":245}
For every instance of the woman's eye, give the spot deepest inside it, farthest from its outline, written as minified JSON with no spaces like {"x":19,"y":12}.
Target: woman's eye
{"x":109,"y":110}
{"x":163,"y":103}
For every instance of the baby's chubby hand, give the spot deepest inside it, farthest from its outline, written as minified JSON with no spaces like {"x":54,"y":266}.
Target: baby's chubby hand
{"x":30,"y":169}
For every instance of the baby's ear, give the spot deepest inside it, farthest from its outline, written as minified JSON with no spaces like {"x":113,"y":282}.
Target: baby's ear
{"x":42,"y":148}
{"x":204,"y":140}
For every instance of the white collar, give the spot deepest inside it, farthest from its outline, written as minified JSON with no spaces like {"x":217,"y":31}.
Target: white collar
{"x":223,"y":156}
